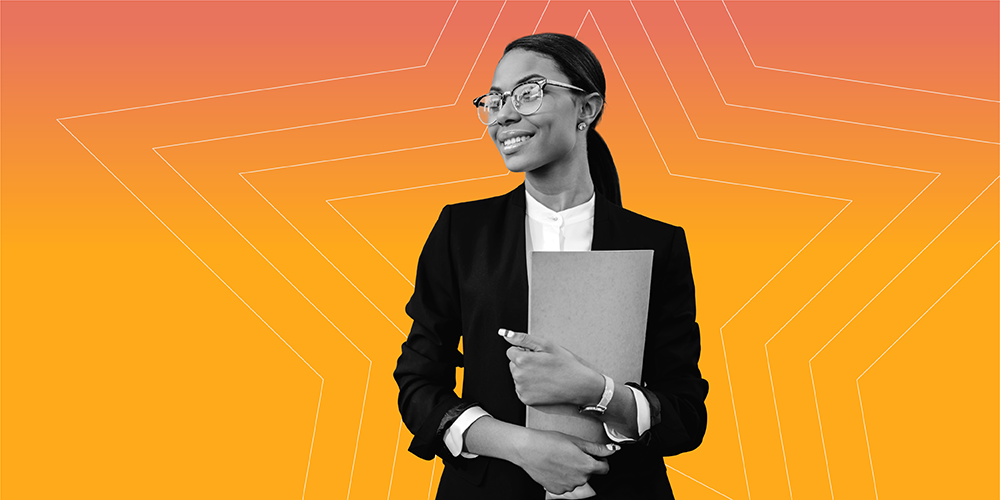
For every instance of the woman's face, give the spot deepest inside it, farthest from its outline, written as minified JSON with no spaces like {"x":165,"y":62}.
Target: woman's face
{"x":551,"y":131}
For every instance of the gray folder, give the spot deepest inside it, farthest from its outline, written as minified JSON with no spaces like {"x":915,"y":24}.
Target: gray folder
{"x":595,"y":304}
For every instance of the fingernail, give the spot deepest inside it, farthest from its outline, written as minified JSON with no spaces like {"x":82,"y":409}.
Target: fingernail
{"x":613,"y":447}
{"x":503,"y":332}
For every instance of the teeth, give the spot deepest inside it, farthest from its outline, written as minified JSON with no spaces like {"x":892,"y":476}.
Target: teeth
{"x":515,"y":140}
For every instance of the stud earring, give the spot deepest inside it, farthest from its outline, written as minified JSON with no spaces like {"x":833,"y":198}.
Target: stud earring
{"x":581,"y":126}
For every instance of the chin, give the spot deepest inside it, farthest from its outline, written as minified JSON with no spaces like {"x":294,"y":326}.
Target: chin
{"x":520,"y":165}
{"x":517,"y":168}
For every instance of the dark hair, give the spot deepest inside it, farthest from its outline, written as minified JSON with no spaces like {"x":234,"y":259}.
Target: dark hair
{"x":583,"y":69}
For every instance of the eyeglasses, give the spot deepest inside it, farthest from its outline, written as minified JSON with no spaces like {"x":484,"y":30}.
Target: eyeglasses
{"x":527,"y":99}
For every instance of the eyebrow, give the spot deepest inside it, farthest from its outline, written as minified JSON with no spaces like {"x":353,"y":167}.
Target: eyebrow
{"x":533,"y":76}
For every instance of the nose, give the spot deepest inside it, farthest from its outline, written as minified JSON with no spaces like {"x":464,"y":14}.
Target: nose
{"x":507,"y":112}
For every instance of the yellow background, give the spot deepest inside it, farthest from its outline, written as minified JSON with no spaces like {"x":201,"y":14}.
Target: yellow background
{"x":212,"y":212}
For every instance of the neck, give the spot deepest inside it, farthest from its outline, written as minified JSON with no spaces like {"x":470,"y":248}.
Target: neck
{"x":561,"y":186}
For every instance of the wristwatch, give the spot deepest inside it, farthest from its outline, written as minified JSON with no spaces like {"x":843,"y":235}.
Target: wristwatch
{"x":602,"y":406}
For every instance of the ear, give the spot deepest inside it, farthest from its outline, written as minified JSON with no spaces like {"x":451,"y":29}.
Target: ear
{"x":590,"y":106}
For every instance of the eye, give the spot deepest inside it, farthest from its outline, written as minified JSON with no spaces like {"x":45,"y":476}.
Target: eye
{"x":492,"y":102}
{"x":528,"y":92}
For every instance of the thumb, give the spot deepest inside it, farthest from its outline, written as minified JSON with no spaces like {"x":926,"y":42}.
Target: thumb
{"x":597,"y":450}
{"x":523,"y":340}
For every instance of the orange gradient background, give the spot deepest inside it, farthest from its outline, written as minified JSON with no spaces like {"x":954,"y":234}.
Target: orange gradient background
{"x":212,"y":213}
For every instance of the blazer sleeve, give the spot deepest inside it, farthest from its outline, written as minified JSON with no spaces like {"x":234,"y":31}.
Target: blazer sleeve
{"x":425,"y":371}
{"x":671,"y":379}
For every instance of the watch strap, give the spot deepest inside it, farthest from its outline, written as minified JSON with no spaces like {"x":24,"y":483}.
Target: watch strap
{"x":602,"y":405}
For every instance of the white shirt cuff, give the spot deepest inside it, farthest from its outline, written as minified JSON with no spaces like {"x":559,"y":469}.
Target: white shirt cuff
{"x":642,"y":418}
{"x":454,"y":437}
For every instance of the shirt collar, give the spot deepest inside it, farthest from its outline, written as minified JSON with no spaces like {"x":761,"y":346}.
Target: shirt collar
{"x":539,"y":212}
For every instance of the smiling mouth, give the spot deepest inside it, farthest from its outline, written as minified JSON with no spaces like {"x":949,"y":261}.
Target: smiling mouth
{"x":514,"y":143}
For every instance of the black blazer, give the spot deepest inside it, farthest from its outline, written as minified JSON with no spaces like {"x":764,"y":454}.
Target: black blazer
{"x":472,"y":280}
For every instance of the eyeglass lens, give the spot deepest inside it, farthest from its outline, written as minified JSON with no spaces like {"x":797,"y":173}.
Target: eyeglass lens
{"x":527,"y":99}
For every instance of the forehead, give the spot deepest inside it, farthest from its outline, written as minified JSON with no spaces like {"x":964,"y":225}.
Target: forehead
{"x":517,"y":65}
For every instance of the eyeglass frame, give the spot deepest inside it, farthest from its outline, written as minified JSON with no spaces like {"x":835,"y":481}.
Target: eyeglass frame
{"x":510,"y":93}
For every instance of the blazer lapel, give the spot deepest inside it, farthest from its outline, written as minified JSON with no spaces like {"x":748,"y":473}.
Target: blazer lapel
{"x":515,"y":309}
{"x":603,"y":231}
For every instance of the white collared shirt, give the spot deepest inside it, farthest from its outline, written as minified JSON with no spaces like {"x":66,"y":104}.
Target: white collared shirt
{"x":546,"y":230}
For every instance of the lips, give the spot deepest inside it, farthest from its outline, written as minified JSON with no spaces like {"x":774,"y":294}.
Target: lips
{"x":515,"y":144}
{"x":512,"y":141}
{"x":515,"y":140}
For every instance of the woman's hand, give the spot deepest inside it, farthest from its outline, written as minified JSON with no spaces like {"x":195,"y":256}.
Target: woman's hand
{"x":560,"y":462}
{"x":546,"y":373}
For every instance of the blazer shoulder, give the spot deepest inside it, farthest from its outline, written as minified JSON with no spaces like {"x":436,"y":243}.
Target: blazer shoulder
{"x":477,"y":211}
{"x":481,"y":204}
{"x":642,"y":224}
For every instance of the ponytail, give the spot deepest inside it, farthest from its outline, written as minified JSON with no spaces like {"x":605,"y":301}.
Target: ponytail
{"x":602,"y":168}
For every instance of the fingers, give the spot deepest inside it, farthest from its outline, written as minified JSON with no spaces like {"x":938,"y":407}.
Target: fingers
{"x":519,"y":356}
{"x":600,"y":467}
{"x":524,"y":340}
{"x":512,"y":354}
{"x":597,"y":450}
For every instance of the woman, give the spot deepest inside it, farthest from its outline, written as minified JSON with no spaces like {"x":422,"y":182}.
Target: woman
{"x":547,"y":96}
